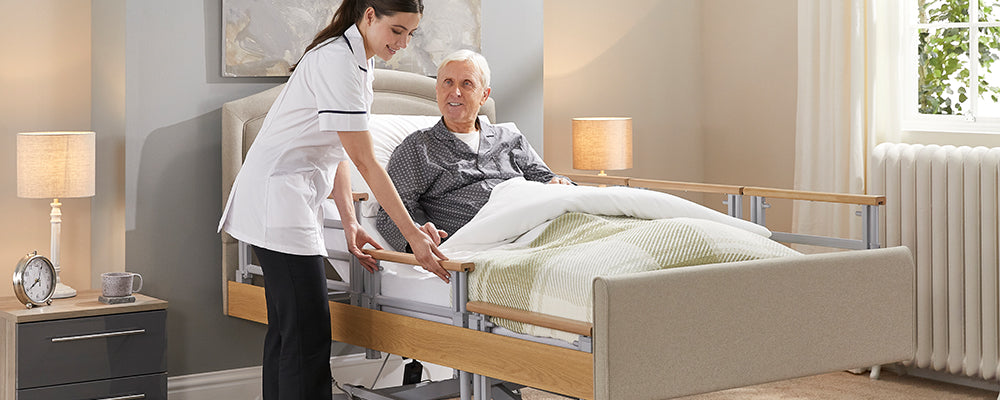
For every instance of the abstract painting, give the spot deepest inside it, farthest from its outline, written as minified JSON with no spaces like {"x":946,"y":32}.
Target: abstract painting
{"x":264,"y":38}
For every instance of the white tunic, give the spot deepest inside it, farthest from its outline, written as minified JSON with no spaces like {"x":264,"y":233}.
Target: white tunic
{"x":275,"y":202}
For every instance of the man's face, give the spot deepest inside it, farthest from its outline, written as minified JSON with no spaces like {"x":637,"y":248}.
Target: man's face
{"x":460,"y":93}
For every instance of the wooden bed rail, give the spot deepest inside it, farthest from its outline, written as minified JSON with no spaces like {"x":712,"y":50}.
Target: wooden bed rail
{"x":684,"y":186}
{"x":598,"y":180}
{"x":407,"y":258}
{"x":860,"y":199}
{"x":532,"y":318}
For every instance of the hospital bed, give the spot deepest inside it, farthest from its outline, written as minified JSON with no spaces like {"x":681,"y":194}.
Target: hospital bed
{"x":653,"y":335}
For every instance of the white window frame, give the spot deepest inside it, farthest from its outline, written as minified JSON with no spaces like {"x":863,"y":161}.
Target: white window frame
{"x":912,"y":120}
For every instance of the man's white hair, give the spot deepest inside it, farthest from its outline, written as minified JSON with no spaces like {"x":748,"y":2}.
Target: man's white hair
{"x":476,"y":59}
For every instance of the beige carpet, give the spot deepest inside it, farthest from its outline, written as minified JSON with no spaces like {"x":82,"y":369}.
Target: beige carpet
{"x":835,"y":386}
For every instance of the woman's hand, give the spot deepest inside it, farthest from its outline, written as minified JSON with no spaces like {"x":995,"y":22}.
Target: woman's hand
{"x":427,"y":254}
{"x":356,"y":239}
{"x":358,"y":146}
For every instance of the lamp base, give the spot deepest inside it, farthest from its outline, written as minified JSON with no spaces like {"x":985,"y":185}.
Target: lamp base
{"x":63,"y":291}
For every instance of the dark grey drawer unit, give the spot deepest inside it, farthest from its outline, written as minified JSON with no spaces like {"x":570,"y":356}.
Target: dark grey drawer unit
{"x":79,"y":348}
{"x":91,"y":348}
{"x":145,"y":387}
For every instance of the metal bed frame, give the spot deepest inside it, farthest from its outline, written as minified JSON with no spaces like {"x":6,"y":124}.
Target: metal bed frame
{"x":364,"y":289}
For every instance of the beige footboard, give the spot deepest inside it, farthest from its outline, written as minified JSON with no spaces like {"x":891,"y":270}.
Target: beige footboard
{"x":692,"y":330}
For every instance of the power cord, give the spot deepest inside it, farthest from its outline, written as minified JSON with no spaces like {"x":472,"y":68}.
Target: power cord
{"x":380,"y":370}
{"x":349,"y":395}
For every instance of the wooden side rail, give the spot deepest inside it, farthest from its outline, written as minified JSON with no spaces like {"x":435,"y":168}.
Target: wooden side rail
{"x":598,"y":180}
{"x":655,"y":184}
{"x":533,"y":318}
{"x":684,"y":186}
{"x":407,"y":258}
{"x":862,"y":199}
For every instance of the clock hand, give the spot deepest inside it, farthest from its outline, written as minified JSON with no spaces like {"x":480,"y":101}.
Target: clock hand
{"x":33,"y":284}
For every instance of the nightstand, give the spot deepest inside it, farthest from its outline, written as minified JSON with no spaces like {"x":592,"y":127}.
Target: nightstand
{"x":80,"y":348}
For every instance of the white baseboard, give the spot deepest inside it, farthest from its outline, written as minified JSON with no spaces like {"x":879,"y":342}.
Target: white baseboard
{"x":244,"y":383}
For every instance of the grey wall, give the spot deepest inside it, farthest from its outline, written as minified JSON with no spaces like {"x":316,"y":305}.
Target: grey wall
{"x":513,"y":45}
{"x":173,"y":94}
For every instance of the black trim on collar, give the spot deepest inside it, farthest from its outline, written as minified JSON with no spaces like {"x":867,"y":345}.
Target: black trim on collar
{"x":349,"y":47}
{"x":359,"y":67}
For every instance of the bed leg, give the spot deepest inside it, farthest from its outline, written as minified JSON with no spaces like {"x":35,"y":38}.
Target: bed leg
{"x":877,"y":371}
{"x":464,"y":389}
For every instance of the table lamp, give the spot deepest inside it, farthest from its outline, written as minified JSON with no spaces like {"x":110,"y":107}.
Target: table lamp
{"x":602,"y":143}
{"x":55,"y":165}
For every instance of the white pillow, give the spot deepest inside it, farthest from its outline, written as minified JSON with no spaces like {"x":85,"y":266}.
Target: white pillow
{"x":387,"y":131}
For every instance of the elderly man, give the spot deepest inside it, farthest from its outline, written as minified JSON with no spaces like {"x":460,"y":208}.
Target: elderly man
{"x":444,"y":174}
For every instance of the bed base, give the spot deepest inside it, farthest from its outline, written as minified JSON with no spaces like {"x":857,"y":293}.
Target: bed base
{"x":546,"y":367}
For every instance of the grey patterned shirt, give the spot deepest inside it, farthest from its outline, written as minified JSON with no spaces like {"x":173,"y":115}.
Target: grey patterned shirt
{"x":441,"y":180}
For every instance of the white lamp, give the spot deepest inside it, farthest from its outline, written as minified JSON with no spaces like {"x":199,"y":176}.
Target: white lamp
{"x":54,"y":165}
{"x":602,"y":143}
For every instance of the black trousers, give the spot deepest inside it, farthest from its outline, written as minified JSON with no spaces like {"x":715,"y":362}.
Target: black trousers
{"x":297,"y":343}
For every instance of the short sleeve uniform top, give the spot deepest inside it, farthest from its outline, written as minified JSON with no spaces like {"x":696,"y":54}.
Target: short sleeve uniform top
{"x":275,"y":202}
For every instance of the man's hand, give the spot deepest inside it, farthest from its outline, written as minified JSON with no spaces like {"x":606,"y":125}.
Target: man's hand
{"x":434,"y":233}
{"x":356,"y":239}
{"x":558,"y":180}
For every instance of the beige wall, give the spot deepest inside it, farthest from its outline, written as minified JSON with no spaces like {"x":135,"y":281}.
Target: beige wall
{"x":108,"y":119}
{"x":710,"y":85}
{"x":44,"y":85}
{"x":636,"y":58}
{"x":749,"y":58}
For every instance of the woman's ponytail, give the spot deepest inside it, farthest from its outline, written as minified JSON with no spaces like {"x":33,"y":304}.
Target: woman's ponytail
{"x":351,"y":11}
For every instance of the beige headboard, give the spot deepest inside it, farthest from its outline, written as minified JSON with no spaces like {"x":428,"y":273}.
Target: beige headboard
{"x":396,"y":92}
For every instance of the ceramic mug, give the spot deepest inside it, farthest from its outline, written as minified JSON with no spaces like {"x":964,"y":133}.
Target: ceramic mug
{"x":120,"y":284}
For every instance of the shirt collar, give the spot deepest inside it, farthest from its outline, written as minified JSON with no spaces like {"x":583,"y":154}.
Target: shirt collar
{"x":357,"y":45}
{"x":441,"y":131}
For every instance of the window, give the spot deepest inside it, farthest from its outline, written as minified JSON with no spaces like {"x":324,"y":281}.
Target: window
{"x":952,"y":85}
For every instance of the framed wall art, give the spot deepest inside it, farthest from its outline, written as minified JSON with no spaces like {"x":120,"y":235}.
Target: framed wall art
{"x":264,"y":38}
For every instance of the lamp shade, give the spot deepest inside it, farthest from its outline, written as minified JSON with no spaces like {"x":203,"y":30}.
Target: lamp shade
{"x":602,"y":143}
{"x":52,"y":165}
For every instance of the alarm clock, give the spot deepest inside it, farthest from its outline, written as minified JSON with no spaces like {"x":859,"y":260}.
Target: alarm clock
{"x":34,"y":280}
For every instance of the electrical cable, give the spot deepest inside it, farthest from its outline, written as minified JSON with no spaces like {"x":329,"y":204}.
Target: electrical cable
{"x":349,"y":395}
{"x":380,"y":370}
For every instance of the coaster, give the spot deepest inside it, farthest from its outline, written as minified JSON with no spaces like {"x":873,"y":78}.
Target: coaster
{"x":117,"y":300}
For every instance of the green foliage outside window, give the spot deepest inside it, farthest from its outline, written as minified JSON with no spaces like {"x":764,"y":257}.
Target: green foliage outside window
{"x":944,"y":57}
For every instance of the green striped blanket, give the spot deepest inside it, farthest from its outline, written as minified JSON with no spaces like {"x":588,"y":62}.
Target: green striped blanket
{"x":554,"y":273}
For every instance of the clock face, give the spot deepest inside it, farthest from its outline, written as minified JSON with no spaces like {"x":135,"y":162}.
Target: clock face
{"x":39,"y":279}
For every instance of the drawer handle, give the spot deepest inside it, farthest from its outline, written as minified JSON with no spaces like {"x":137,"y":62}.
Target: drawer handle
{"x":130,"y":397}
{"x":101,"y":336}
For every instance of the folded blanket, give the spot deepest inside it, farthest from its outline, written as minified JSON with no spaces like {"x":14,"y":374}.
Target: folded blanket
{"x":553,"y":274}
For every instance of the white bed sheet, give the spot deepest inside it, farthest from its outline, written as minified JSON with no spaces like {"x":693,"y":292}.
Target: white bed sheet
{"x":404,"y":281}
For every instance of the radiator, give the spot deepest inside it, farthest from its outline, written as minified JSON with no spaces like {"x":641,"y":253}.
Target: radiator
{"x":941,"y":202}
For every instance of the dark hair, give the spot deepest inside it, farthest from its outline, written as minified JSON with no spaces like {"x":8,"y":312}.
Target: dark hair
{"x":351,"y":11}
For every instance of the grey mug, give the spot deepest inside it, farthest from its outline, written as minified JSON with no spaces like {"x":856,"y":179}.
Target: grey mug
{"x":120,"y":284}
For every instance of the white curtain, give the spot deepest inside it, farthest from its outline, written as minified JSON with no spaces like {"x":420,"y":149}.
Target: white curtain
{"x":841,"y":109}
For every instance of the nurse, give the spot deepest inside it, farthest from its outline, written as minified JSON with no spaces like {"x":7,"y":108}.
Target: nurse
{"x":291,"y":168}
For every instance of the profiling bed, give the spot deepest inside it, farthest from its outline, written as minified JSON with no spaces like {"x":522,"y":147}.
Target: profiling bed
{"x":654,"y":335}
